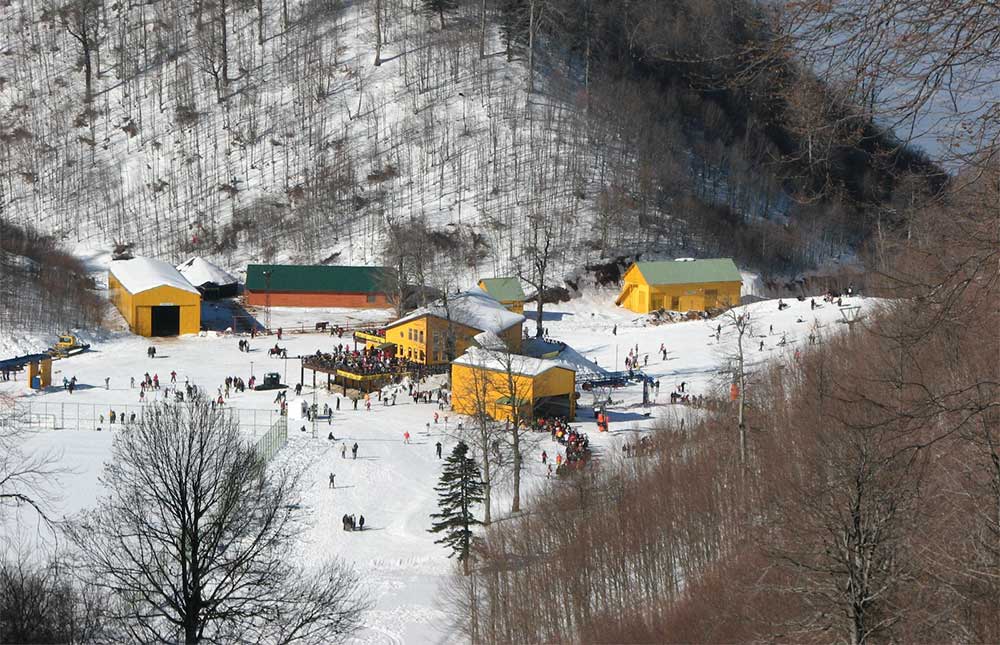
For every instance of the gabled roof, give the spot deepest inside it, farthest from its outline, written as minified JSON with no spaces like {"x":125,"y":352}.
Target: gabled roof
{"x":497,"y":362}
{"x":309,"y":278}
{"x":489,"y":340}
{"x":472,"y":308}
{"x":199,"y":271}
{"x":142,"y":274}
{"x":673,"y":272}
{"x":503,"y":289}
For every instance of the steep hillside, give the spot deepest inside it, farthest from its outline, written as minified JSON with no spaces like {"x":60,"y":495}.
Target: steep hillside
{"x":266,"y":131}
{"x":305,"y":153}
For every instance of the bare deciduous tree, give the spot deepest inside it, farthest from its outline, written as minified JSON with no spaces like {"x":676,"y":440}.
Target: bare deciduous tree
{"x":738,"y":324}
{"x":82,"y":20}
{"x":378,"y":33}
{"x":541,"y":249}
{"x":919,"y":66}
{"x":484,"y":433}
{"x":27,"y":477}
{"x":191,"y":540}
{"x":42,"y":602}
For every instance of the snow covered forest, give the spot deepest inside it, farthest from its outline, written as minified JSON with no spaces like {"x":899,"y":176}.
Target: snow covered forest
{"x":835,"y":473}
{"x":303,"y":130}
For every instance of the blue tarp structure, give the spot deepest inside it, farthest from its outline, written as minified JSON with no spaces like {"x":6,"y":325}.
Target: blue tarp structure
{"x":12,"y":364}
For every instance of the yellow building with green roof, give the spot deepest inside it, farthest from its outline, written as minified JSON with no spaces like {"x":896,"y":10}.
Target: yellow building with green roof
{"x":680,"y":285}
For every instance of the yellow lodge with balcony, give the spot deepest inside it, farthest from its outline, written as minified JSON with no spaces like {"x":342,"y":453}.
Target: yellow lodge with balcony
{"x":438,"y":333}
{"x":425,"y":339}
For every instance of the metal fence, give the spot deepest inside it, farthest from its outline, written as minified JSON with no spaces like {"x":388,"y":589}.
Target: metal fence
{"x":256,"y":425}
{"x":274,"y":439}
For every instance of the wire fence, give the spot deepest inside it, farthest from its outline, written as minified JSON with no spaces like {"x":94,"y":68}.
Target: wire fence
{"x":273,"y":440}
{"x":266,"y":429}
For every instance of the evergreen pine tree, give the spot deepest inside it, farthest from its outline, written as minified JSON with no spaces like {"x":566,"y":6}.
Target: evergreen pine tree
{"x":459,"y":489}
{"x":440,"y":7}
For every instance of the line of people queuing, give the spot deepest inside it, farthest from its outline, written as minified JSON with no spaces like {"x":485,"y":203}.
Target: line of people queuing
{"x":577,"y":443}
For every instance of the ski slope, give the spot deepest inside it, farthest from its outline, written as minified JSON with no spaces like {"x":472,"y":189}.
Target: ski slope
{"x":391,"y":483}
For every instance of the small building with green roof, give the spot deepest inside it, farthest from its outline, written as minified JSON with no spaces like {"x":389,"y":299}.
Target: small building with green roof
{"x":680,"y":285}
{"x":287,"y":285}
{"x":506,"y":291}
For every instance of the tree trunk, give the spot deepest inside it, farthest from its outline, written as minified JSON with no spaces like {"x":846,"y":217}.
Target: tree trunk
{"x":586,"y":73}
{"x":88,"y":71}
{"x":539,"y":330}
{"x":487,"y":480}
{"x":441,"y":15}
{"x":482,"y":29}
{"x":542,"y":265}
{"x":531,"y":52}
{"x":515,"y":505}
{"x":741,"y":424}
{"x":378,"y":32}
{"x":225,"y":42}
{"x":260,"y":22}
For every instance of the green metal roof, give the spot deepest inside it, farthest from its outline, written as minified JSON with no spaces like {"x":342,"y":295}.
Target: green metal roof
{"x":672,"y":272}
{"x":506,"y":400}
{"x":310,"y":278}
{"x":503,"y":289}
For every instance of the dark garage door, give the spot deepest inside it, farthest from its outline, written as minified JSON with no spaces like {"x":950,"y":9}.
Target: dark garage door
{"x":166,"y":321}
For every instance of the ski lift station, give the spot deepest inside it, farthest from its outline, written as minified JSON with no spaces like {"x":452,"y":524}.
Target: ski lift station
{"x":502,"y":384}
{"x":154,"y":298}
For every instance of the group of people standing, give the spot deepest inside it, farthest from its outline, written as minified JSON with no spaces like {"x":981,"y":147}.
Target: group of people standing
{"x":351,"y":524}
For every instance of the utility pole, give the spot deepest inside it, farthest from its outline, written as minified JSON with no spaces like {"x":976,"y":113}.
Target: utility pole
{"x":314,"y":411}
{"x":267,"y":301}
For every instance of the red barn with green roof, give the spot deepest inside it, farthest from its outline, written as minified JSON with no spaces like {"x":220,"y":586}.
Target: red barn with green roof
{"x":316,"y":286}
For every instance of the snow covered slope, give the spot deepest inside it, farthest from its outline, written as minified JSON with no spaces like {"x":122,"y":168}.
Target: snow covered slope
{"x":391,"y":483}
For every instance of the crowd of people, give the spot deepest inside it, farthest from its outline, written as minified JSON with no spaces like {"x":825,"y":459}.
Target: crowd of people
{"x":577,"y":443}
{"x":367,"y":361}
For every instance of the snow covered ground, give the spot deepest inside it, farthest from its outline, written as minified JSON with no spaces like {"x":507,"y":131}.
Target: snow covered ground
{"x":391,"y":483}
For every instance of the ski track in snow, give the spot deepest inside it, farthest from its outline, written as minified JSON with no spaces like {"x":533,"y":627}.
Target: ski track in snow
{"x":390,"y":483}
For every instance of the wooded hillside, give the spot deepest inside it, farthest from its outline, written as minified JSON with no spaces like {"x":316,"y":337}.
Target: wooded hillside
{"x":306,"y":129}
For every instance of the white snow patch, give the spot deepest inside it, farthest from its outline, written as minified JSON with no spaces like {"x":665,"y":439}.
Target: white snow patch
{"x":199,"y":271}
{"x":523,"y":365}
{"x":142,"y":274}
{"x":473,"y":308}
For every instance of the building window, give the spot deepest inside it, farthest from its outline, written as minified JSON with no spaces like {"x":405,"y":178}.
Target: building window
{"x":409,"y":334}
{"x":371,"y":297}
{"x":421,"y":336}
